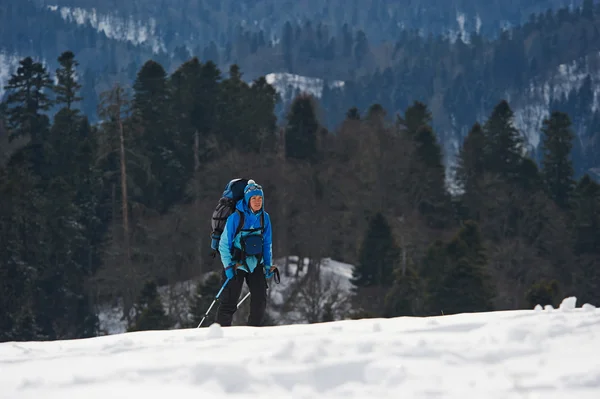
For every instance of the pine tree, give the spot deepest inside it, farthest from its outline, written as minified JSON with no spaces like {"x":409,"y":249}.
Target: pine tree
{"x":118,"y":156}
{"x":471,"y":160}
{"x":543,"y":293}
{"x":587,"y":216}
{"x":150,"y":313}
{"x":206,"y":292}
{"x":433,"y":269}
{"x":24,"y":108}
{"x":67,"y":87}
{"x":466,"y":286}
{"x":234,"y":112}
{"x":27,"y":99}
{"x":470,"y":169}
{"x":151,"y":111}
{"x":405,"y":297}
{"x":557,"y":167}
{"x":302,"y":129}
{"x":194,"y":88}
{"x":416,"y":116}
{"x":504,"y":143}
{"x":263,"y":124}
{"x":586,"y":238}
{"x":353,"y":114}
{"x":434,"y":203}
{"x":378,"y":255}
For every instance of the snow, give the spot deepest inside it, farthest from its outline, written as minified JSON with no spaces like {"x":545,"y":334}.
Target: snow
{"x":549,"y":353}
{"x":115,"y":27}
{"x":568,"y":78}
{"x":289,"y":85}
{"x":8,"y":65}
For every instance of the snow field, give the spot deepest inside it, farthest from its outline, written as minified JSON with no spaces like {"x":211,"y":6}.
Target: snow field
{"x":549,"y":353}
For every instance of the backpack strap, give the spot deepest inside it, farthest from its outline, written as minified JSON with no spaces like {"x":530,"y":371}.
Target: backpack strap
{"x":240,"y":224}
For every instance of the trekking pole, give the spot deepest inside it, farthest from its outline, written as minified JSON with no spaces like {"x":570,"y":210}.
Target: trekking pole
{"x":277,"y":280}
{"x":243,"y":299}
{"x":213,"y":302}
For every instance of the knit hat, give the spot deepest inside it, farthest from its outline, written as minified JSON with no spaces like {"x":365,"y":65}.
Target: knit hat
{"x":251,"y":190}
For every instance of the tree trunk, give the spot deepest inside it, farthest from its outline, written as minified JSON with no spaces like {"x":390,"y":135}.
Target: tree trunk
{"x":129,"y":283}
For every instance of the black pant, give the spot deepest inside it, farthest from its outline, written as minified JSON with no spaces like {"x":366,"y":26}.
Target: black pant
{"x":257,"y":283}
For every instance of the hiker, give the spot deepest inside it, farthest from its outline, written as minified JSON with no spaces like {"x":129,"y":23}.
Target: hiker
{"x":246,"y":253}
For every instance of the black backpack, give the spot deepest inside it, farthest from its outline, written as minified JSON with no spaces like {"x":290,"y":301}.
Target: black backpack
{"x":234,"y":191}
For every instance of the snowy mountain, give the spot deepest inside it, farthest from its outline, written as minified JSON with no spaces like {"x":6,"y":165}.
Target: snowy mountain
{"x":550,"y":353}
{"x":206,"y":20}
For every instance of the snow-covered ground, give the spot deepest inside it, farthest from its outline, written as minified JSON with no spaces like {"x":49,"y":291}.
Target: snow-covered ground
{"x":541,"y":353}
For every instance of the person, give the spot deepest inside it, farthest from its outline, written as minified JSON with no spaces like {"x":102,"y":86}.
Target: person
{"x":246,"y":253}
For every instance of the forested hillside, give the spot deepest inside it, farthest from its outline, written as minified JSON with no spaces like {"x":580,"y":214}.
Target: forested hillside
{"x":551,"y":59}
{"x":94,"y":213}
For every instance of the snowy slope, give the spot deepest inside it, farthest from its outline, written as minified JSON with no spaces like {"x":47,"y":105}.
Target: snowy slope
{"x":535,"y":100}
{"x":8,"y":65}
{"x":114,"y":26}
{"x":513,"y":354}
{"x":289,"y":85}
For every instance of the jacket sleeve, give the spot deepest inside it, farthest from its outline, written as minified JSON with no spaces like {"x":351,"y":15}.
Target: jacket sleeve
{"x":267,"y":242}
{"x":227,"y":240}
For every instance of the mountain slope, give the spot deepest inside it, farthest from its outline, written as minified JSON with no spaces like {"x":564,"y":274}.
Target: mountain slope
{"x":549,"y":353}
{"x":208,"y":20}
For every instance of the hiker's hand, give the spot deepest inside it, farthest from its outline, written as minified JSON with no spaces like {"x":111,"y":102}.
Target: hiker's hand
{"x":229,"y":272}
{"x":269,"y":271}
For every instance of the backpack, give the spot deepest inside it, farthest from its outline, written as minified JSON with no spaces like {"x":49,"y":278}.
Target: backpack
{"x":234,"y":191}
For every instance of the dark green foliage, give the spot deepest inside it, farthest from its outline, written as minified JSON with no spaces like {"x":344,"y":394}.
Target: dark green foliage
{"x":470,"y":170}
{"x":67,"y":87}
{"x":27,"y":100}
{"x":434,"y":204}
{"x":415,"y":117}
{"x":406,"y":296}
{"x":206,"y":292}
{"x":353,"y":114}
{"x":544,"y":293}
{"x":458,"y":279}
{"x":503,"y":142}
{"x":557,"y":166}
{"x":158,"y":142}
{"x":301,"y":130}
{"x":587,"y":216}
{"x":378,"y":255}
{"x":150,"y":313}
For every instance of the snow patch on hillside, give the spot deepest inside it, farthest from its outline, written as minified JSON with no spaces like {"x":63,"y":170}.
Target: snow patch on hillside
{"x":8,"y":65}
{"x":537,"y":97}
{"x":334,"y":287}
{"x":115,"y":27}
{"x":289,"y":85}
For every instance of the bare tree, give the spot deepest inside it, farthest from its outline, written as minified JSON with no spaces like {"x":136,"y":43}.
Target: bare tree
{"x":317,"y":296}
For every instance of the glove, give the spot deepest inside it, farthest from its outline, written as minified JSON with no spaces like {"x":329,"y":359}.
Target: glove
{"x":269,"y":271}
{"x":230,"y":272}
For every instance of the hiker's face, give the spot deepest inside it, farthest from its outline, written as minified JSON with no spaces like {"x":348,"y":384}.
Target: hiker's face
{"x":255,"y":202}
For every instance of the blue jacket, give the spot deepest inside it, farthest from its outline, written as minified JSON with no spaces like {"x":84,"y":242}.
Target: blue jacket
{"x":251,"y":220}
